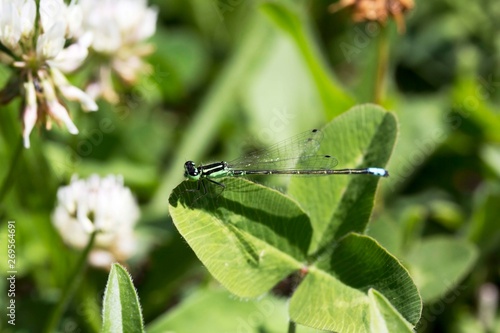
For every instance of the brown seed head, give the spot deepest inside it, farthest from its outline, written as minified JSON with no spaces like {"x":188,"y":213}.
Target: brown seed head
{"x":376,"y":10}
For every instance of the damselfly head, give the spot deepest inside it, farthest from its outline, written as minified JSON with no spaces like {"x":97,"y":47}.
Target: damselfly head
{"x":191,"y":172}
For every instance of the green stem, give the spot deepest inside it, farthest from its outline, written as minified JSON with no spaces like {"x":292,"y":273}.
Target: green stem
{"x":71,"y":286}
{"x":10,"y":179}
{"x":6,"y":50}
{"x":382,"y":65}
{"x":292,"y":327}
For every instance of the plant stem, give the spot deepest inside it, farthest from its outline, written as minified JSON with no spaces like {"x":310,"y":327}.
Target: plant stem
{"x":382,"y":65}
{"x":291,"y":326}
{"x":71,"y":286}
{"x":9,"y":178}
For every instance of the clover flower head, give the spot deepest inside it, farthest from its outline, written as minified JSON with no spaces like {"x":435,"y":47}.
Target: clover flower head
{"x":119,"y":29}
{"x":98,"y":204}
{"x":39,"y":53}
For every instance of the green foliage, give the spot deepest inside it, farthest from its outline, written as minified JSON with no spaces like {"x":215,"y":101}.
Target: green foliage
{"x":361,"y":138}
{"x":121,"y":311}
{"x":335,"y":100}
{"x":203,"y":308}
{"x":359,"y":287}
{"x":342,"y":253}
{"x":438,"y":264}
{"x":251,"y":237}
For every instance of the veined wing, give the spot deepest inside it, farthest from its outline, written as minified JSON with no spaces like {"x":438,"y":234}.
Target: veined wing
{"x":304,"y":162}
{"x":298,"y":152}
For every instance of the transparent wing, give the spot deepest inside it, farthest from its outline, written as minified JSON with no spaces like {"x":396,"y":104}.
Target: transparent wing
{"x":298,"y":152}
{"x":304,"y":162}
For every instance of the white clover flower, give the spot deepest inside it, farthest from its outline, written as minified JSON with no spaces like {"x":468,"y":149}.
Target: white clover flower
{"x":102,"y":204}
{"x":119,"y":29}
{"x":40,"y":52}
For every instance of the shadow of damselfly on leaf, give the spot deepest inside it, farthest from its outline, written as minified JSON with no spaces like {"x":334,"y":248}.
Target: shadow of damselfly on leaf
{"x":208,"y":196}
{"x":245,"y":208}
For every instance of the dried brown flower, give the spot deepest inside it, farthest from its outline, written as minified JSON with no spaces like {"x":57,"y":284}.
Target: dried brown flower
{"x":376,"y":10}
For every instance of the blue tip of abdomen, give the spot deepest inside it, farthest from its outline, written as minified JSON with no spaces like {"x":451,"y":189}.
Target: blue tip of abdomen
{"x":378,"y":172}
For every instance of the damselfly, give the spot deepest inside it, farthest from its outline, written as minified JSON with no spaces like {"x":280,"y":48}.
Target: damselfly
{"x":295,"y":156}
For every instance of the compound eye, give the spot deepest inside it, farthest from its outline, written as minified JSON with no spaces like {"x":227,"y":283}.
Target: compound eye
{"x":191,"y":169}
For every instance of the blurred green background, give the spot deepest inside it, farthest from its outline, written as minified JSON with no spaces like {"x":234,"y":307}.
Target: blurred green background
{"x":233,"y":74}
